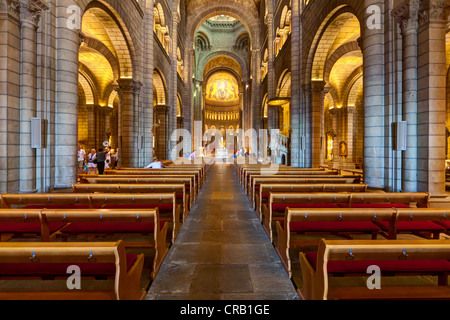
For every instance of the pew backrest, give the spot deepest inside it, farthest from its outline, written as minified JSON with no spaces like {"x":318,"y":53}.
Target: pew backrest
{"x":372,"y":250}
{"x":126,"y":280}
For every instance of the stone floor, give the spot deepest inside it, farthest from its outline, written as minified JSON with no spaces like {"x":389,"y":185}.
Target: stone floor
{"x":222,"y":251}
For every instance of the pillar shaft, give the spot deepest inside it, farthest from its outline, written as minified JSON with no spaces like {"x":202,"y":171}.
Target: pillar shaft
{"x":431,"y":96}
{"x":374,"y":101}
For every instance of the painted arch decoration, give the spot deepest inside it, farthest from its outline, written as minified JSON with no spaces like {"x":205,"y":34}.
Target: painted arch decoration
{"x":222,"y":87}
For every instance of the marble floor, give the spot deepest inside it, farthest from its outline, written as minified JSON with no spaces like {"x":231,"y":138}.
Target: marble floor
{"x":222,"y":251}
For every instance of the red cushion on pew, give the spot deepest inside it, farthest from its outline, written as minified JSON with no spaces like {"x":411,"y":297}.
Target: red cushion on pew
{"x":413,"y":226}
{"x":334,"y":226}
{"x":256,"y":188}
{"x":283,"y":206}
{"x":27,"y":227}
{"x":445,"y":224}
{"x":111,"y":227}
{"x":355,"y":266}
{"x":161,"y":207}
{"x":179,"y":196}
{"x":265,"y":195}
{"x":379,"y":205}
{"x":60,"y":269}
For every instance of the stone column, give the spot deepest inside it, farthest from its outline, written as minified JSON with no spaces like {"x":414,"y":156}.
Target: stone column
{"x":431,"y":96}
{"x":135,"y":160}
{"x":268,"y":20}
{"x":317,"y":88}
{"x":334,"y":125}
{"x":254,"y":89}
{"x":374,"y":100}
{"x":9,"y":96}
{"x":350,"y":138}
{"x":188,"y":110}
{"x":407,"y":17}
{"x":272,"y":112}
{"x":296,"y":40}
{"x":68,"y":41}
{"x":126,"y":139}
{"x":30,"y":13}
{"x":147,"y":74}
{"x":176,"y":18}
{"x":305,"y":127}
{"x":162,"y":137}
{"x":92,"y":137}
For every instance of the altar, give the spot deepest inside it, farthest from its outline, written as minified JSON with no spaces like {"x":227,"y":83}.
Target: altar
{"x":221,"y":153}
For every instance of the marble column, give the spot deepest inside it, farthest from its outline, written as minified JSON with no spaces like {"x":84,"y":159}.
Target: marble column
{"x":30,"y":13}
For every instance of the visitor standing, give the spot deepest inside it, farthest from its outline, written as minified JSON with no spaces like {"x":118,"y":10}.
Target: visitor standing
{"x":92,"y":162}
{"x":101,"y":158}
{"x":81,"y":159}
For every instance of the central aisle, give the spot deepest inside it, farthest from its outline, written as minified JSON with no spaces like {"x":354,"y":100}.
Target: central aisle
{"x":222,"y":251}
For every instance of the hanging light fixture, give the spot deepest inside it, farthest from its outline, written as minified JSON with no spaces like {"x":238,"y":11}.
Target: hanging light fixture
{"x":279,"y":101}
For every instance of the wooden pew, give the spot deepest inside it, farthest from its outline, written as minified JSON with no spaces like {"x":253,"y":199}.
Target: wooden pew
{"x":101,"y":222}
{"x":24,"y":223}
{"x":150,"y":179}
{"x":178,"y":189}
{"x":255,"y":181}
{"x":165,"y":171}
{"x":33,"y":260}
{"x":341,"y":222}
{"x":274,"y":170}
{"x":422,"y":222}
{"x":187,"y":181}
{"x":403,"y":257}
{"x":278,"y":202}
{"x":173,"y":167}
{"x":243,"y":168}
{"x":169,"y":210}
{"x":283,"y":171}
{"x":265,"y":189}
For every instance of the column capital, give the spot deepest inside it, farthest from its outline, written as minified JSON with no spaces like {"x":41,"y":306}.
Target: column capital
{"x":407,"y":15}
{"x":126,"y":85}
{"x":317,"y":86}
{"x":268,"y":18}
{"x":351,"y":109}
{"x":176,"y":17}
{"x":30,"y":10}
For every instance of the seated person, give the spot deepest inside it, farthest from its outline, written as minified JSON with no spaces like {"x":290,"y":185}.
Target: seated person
{"x":155,"y":164}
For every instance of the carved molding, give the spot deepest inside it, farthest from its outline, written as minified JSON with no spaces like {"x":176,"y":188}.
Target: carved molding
{"x":432,"y":11}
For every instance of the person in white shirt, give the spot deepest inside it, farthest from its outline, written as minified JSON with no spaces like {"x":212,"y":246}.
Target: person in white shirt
{"x":81,"y":159}
{"x":155,"y":164}
{"x":91,"y":165}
